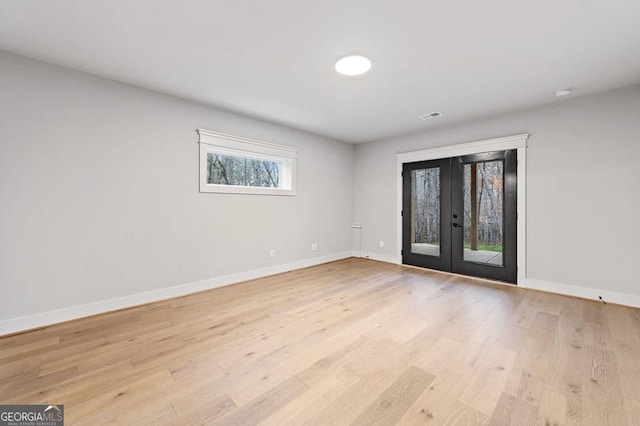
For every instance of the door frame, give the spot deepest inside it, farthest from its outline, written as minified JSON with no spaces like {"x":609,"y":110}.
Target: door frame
{"x":517,"y":142}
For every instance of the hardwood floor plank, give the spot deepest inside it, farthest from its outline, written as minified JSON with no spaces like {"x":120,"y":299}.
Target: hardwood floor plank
{"x":512,"y":337}
{"x":533,"y":366}
{"x":120,"y":398}
{"x":347,"y":405}
{"x":263,"y":406}
{"x":552,"y":410}
{"x":438,"y":356}
{"x":485,"y":388}
{"x":335,"y":361}
{"x":202,"y":407}
{"x":396,"y":399}
{"x":20,"y":351}
{"x":435,"y":404}
{"x":462,"y":415}
{"x":626,"y":347}
{"x":309,"y":405}
{"x":30,"y":382}
{"x":513,"y":411}
{"x":602,"y":404}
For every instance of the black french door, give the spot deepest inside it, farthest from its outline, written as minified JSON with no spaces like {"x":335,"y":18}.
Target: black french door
{"x":459,"y":215}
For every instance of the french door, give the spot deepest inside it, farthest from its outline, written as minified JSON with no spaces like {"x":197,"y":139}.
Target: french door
{"x":459,"y":215}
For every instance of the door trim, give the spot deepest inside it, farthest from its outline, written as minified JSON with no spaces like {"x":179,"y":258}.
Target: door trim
{"x":518,"y":142}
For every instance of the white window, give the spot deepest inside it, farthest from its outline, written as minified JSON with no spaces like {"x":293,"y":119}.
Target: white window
{"x":237,"y":165}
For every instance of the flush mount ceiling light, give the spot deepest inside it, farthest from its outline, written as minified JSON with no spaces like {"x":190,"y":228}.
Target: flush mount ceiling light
{"x":563,"y":92}
{"x":353,"y":65}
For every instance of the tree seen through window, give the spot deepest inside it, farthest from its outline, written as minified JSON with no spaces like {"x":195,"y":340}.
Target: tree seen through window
{"x":238,"y":171}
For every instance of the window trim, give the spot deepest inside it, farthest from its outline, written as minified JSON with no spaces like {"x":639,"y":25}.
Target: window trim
{"x":248,"y":148}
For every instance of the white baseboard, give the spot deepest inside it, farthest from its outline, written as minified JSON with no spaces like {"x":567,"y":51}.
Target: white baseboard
{"x":582,"y":292}
{"x":16,"y":325}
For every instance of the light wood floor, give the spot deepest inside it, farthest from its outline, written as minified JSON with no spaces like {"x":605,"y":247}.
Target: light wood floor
{"x":349,"y":342}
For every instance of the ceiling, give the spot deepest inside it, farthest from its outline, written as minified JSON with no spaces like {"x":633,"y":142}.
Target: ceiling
{"x":274,"y":59}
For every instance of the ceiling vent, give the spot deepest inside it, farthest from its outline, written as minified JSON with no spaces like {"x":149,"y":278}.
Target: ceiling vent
{"x":430,"y":116}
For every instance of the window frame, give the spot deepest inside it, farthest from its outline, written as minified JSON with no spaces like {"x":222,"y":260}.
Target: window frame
{"x":220,"y":143}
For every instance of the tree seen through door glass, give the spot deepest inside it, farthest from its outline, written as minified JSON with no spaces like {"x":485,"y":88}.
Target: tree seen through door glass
{"x":425,"y":211}
{"x":484,"y":212}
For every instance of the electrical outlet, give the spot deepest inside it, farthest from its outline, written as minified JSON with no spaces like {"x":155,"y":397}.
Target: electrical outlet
{"x":314,"y":246}
{"x":381,"y":243}
{"x":272,"y":253}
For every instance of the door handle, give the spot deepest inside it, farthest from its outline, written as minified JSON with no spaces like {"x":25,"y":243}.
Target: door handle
{"x":457,"y":225}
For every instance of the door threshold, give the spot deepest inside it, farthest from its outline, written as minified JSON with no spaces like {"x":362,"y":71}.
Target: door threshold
{"x":453,"y":274}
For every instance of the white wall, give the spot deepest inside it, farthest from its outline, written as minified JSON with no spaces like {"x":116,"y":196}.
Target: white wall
{"x":583,"y":190}
{"x":99,"y":196}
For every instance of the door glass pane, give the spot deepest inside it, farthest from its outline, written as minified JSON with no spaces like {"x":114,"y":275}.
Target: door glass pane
{"x":425,"y":211}
{"x":484,"y":212}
